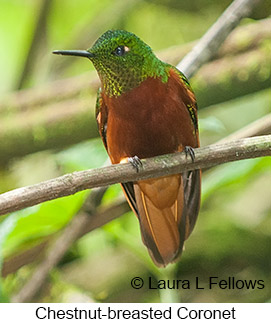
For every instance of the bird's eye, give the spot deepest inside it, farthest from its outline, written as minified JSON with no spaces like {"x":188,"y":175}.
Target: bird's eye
{"x":120,"y":50}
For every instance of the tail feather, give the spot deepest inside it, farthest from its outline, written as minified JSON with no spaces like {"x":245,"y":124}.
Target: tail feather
{"x":161,"y":226}
{"x":167,"y":209}
{"x":192,"y":192}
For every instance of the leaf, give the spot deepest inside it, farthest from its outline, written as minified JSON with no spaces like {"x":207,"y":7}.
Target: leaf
{"x":6,"y":227}
{"x":39,"y":221}
{"x":230,"y":173}
{"x":88,"y":154}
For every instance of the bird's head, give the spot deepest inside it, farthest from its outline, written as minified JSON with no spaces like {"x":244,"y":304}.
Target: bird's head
{"x":122,"y":61}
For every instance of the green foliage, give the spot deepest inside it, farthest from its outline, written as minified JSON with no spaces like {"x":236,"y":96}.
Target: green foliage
{"x":16,"y":45}
{"x":89,"y":154}
{"x":232,"y":236}
{"x":7,"y":226}
{"x":40,"y":221}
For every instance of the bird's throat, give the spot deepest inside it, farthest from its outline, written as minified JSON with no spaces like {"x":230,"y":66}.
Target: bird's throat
{"x":116,"y":83}
{"x":116,"y":86}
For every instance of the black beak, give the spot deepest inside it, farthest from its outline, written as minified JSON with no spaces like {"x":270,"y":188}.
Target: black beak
{"x":82,"y":53}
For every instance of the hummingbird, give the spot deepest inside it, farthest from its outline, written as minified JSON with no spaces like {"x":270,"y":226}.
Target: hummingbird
{"x":145,"y":108}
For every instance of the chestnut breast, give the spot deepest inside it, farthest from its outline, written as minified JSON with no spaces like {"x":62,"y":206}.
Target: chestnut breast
{"x":149,"y":120}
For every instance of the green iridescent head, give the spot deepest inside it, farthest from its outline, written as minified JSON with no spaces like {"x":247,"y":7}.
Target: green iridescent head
{"x":122,"y":61}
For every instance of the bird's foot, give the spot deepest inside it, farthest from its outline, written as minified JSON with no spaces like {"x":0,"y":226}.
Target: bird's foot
{"x":136,"y":162}
{"x":189,"y":151}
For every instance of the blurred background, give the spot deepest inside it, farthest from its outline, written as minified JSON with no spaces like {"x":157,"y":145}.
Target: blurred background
{"x":48,"y":128}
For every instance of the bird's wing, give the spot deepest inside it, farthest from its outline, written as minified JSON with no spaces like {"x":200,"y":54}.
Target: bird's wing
{"x":188,"y":97}
{"x":129,"y":192}
{"x":191,"y":179}
{"x":192,"y":192}
{"x":101,"y":116}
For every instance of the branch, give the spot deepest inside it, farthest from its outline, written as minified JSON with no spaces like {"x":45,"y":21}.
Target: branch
{"x":215,"y":36}
{"x":72,"y":183}
{"x":152,"y":167}
{"x":76,"y":228}
{"x":80,"y":224}
{"x":38,"y":41}
{"x":71,"y":121}
{"x":70,"y":234}
{"x":62,"y":244}
{"x":252,"y":35}
{"x":32,"y":120}
{"x":259,"y":127}
{"x":100,"y":218}
{"x":233,"y":77}
{"x":31,"y":99}
{"x":109,"y":17}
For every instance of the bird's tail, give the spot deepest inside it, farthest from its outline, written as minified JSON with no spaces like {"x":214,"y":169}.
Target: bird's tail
{"x":165,"y":218}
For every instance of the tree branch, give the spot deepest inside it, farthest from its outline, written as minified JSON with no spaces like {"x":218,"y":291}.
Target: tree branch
{"x":256,"y":128}
{"x":70,"y":234}
{"x":76,"y":228}
{"x":80,"y":224}
{"x":109,"y":17}
{"x":252,"y":35}
{"x":32,"y":120}
{"x":259,"y":127}
{"x":62,"y":244}
{"x":236,"y":74}
{"x":38,"y":41}
{"x":96,"y":220}
{"x":152,"y":167}
{"x":31,"y":99}
{"x":215,"y":36}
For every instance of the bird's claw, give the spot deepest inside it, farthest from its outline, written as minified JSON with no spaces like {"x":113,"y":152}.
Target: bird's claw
{"x":189,"y":151}
{"x":136,"y":162}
